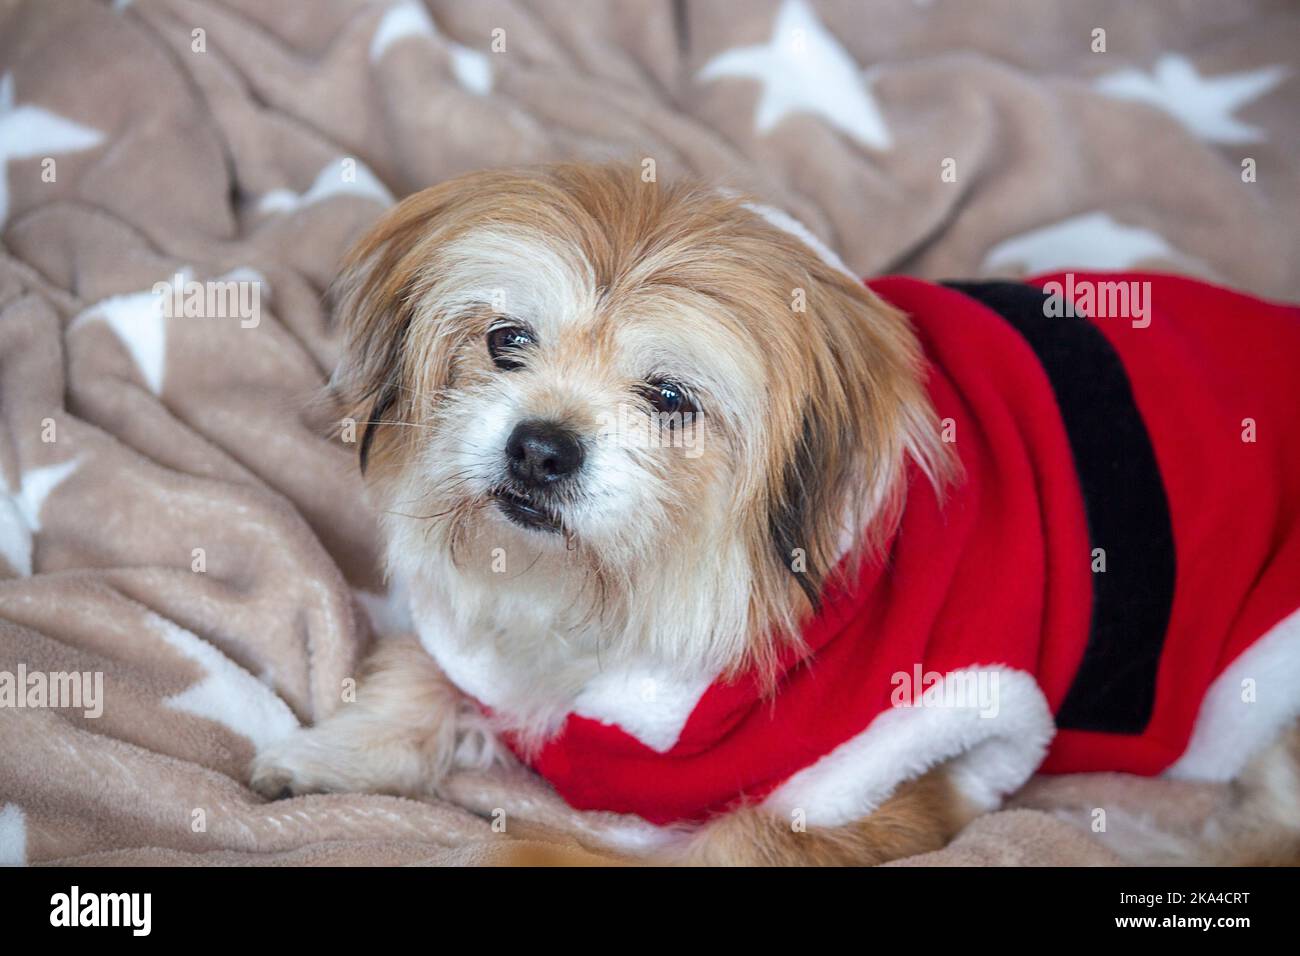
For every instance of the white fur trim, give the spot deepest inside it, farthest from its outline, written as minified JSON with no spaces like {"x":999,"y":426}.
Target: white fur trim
{"x":994,"y":754}
{"x":650,"y":705}
{"x":1229,"y":731}
{"x":475,"y":670}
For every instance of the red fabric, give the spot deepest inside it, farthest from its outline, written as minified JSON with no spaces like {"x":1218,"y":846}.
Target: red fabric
{"x":1000,"y":573}
{"x":1210,"y":358}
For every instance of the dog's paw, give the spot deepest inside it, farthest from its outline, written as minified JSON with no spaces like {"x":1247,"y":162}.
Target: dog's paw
{"x":329,"y":759}
{"x":360,"y":751}
{"x":272,"y":783}
{"x":290,"y":767}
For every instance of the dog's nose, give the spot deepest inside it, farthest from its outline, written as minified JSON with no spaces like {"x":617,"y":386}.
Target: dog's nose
{"x":541,"y":453}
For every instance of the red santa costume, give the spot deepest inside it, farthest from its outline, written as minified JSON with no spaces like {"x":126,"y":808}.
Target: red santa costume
{"x":1112,"y":585}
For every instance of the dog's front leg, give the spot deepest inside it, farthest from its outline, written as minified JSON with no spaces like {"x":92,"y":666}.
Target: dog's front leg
{"x":406,"y":730}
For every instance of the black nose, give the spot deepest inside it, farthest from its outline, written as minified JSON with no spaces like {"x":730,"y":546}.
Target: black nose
{"x":540,"y":453}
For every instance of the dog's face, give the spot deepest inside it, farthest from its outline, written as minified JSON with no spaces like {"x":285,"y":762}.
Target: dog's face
{"x":644,"y":409}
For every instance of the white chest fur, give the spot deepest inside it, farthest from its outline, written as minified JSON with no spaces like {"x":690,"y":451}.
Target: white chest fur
{"x":532,"y":677}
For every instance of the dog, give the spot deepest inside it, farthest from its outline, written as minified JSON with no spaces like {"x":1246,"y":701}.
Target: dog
{"x":798,"y":569}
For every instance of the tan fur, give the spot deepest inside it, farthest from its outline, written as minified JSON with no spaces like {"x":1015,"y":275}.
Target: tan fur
{"x":921,"y":816}
{"x":402,"y":735}
{"x":407,"y":730}
{"x":812,"y":418}
{"x":532,"y":853}
{"x":844,"y":404}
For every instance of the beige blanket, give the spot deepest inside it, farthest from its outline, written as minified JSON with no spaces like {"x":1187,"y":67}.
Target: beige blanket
{"x":171,"y":516}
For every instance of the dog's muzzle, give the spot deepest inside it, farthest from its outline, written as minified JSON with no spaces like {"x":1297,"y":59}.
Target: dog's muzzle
{"x":540,"y":457}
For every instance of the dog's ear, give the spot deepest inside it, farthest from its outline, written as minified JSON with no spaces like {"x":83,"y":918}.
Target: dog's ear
{"x":809,"y":490}
{"x":856,"y":414}
{"x":375,"y":300}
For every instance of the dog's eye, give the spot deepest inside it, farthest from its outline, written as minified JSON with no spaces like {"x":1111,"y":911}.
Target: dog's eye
{"x":669,"y":398}
{"x":506,"y":342}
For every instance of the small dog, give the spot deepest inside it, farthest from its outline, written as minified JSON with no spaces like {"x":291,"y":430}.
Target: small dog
{"x":706,"y":530}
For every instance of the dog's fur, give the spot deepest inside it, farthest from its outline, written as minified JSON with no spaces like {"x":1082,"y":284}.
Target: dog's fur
{"x":811,"y":404}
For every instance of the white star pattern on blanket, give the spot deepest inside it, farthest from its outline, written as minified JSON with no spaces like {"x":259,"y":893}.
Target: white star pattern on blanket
{"x":30,"y":131}
{"x":1091,"y":241}
{"x":330,"y":181}
{"x":139,"y":321}
{"x":13,"y":835}
{"x":20,"y":513}
{"x":227,"y":693}
{"x":406,"y":19}
{"x":804,"y":69}
{"x":1203,"y":104}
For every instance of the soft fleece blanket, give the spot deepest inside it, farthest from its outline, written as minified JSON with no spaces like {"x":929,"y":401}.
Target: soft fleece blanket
{"x":173,"y":514}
